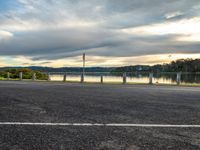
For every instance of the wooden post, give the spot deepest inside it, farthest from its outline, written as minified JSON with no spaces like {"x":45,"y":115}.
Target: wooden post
{"x":8,"y":75}
{"x":65,"y":77}
{"x":101,"y":79}
{"x":20,"y":76}
{"x":178,"y":78}
{"x":34,"y":77}
{"x":82,"y":78}
{"x":124,"y":78}
{"x":48,"y":77}
{"x":151,"y":78}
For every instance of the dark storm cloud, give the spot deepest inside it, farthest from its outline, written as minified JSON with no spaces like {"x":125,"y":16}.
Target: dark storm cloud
{"x":46,"y":29}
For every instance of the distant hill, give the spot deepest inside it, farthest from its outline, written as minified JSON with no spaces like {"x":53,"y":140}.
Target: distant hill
{"x":64,"y":69}
{"x":183,"y":65}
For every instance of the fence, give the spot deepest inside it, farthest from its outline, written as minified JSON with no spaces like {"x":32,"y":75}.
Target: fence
{"x":119,"y":77}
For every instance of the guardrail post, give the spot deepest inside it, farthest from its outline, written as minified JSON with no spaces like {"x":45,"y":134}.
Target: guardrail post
{"x":48,"y":77}
{"x":82,"y":78}
{"x":65,"y":77}
{"x":178,"y":78}
{"x":20,"y":76}
{"x":101,"y":79}
{"x":34,"y":76}
{"x":8,"y":75}
{"x":151,"y":78}
{"x":124,"y":78}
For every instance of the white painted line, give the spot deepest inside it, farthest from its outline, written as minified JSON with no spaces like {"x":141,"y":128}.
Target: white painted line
{"x":101,"y":124}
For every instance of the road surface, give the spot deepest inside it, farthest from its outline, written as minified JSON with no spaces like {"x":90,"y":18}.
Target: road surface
{"x":47,"y":102}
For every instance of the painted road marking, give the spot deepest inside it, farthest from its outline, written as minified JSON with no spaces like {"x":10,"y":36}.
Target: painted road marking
{"x":101,"y":125}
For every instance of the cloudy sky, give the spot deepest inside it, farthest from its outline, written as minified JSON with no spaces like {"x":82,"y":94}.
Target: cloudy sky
{"x":111,"y":32}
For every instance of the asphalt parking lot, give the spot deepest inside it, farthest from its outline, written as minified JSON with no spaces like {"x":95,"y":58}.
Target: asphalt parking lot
{"x":42,"y":102}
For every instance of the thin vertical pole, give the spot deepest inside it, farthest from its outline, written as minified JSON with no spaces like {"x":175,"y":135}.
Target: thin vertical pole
{"x":8,"y":75}
{"x":83,"y":73}
{"x":65,"y":77}
{"x":20,"y":76}
{"x":34,"y":77}
{"x":101,"y":79}
{"x":151,"y":78}
{"x":178,"y":78}
{"x":83,"y":63}
{"x":82,"y":78}
{"x":48,"y":77}
{"x":124,"y":78}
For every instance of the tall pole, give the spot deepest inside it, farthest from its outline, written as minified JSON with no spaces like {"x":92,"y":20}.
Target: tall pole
{"x":83,"y":63}
{"x":83,"y":73}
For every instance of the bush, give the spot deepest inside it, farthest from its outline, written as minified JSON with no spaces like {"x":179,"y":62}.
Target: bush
{"x":27,"y":74}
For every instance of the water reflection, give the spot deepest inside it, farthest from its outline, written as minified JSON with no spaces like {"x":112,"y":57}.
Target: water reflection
{"x":162,"y":78}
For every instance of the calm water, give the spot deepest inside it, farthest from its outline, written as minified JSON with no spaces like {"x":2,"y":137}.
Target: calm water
{"x":169,"y":78}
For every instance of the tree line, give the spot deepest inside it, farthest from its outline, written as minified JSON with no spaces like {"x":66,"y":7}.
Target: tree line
{"x":181,"y":65}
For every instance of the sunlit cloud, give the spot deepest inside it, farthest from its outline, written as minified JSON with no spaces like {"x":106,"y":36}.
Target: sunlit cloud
{"x":189,"y":38}
{"x":173,"y":14}
{"x":183,"y":28}
{"x":5,"y":35}
{"x":35,"y":25}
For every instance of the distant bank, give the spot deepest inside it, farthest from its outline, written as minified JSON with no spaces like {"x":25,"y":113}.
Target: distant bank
{"x":181,"y":65}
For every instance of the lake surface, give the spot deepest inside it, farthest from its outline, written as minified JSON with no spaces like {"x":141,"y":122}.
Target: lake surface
{"x":167,"y":78}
